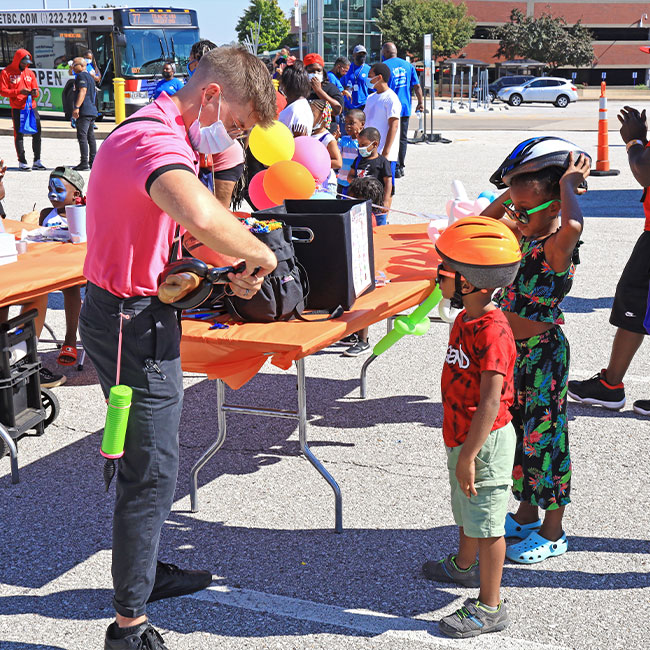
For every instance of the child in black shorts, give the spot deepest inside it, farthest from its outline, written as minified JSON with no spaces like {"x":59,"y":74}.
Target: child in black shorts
{"x":369,"y":163}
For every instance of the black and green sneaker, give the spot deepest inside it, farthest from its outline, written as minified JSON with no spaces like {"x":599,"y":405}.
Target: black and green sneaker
{"x":473,"y":619}
{"x":447,"y":571}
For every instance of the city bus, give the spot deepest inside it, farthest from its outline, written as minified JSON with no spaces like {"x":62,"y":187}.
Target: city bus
{"x":130,"y":43}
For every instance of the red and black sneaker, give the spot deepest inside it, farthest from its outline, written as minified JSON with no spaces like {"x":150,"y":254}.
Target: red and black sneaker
{"x":597,"y":391}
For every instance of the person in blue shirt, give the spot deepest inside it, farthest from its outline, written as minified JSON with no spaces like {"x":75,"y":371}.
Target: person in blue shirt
{"x":168,"y":84}
{"x":338,"y":71}
{"x":355,"y":81}
{"x":403,"y":80}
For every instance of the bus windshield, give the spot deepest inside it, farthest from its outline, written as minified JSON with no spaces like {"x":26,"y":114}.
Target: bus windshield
{"x":146,"y":50}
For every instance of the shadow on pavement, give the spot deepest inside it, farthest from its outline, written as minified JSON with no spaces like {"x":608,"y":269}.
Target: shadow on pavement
{"x":59,"y":516}
{"x":576,"y":305}
{"x":621,"y":204}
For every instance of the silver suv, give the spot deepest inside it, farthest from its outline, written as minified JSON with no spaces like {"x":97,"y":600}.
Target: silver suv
{"x":555,"y":90}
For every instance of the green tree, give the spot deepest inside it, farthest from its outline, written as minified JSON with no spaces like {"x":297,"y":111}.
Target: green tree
{"x":274,"y":26}
{"x":547,"y":39}
{"x":405,"y":22}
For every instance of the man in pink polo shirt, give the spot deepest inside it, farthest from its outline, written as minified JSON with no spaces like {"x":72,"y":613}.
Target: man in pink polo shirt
{"x":143,"y":184}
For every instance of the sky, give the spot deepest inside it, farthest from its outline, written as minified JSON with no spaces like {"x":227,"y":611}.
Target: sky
{"x":217,"y":18}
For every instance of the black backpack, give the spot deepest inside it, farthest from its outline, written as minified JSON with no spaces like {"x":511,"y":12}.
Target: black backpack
{"x":284,"y":291}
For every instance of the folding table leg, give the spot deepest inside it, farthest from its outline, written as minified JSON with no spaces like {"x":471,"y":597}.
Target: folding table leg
{"x":304,"y":447}
{"x":213,"y":449}
{"x":13,"y":453}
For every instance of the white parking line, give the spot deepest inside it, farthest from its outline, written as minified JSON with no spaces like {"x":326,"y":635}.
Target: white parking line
{"x":359,"y":620}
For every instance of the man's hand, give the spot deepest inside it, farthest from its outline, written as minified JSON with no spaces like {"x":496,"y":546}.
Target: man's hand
{"x":465,"y":471}
{"x":75,"y":113}
{"x":247,"y":284}
{"x":633,"y":124}
{"x":25,"y":92}
{"x":419,"y":108}
{"x":177,"y":286}
{"x":576,"y":173}
{"x":347,"y":94}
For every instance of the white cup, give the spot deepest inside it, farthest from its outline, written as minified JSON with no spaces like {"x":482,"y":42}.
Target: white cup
{"x":76,"y":217}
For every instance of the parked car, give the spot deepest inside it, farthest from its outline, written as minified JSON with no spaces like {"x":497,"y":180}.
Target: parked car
{"x":504,"y":82}
{"x":556,"y":90}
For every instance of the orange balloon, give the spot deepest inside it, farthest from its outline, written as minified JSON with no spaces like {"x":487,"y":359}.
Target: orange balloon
{"x":288,"y":179}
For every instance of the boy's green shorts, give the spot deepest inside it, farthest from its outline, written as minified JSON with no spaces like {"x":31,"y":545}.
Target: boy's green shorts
{"x":484,"y":515}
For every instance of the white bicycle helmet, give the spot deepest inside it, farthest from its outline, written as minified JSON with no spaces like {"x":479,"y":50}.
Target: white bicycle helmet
{"x":533,"y":155}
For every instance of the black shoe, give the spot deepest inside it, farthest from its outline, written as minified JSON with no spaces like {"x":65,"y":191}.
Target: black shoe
{"x":143,"y":637}
{"x":358,"y":348}
{"x":51,"y":379}
{"x":82,"y":167}
{"x":642,"y":406}
{"x":351,"y":339}
{"x":597,"y":391}
{"x":172,"y":581}
{"x":399,"y":173}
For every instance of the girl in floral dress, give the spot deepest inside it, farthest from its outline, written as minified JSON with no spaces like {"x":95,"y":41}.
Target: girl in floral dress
{"x":542,"y":470}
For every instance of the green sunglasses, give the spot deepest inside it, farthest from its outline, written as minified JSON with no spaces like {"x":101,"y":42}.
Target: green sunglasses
{"x":523,"y":216}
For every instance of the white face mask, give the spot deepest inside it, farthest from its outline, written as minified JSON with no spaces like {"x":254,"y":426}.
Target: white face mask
{"x":315,"y":75}
{"x":364,"y":152}
{"x":210,"y":139}
{"x":89,"y":61}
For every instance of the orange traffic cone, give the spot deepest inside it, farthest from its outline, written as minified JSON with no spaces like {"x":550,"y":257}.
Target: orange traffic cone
{"x":602,"y":160}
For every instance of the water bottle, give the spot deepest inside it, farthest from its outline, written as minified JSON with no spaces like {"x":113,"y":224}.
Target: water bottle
{"x":73,"y":123}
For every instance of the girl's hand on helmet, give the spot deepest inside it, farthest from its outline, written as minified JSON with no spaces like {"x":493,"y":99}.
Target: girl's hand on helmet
{"x":576,"y":173}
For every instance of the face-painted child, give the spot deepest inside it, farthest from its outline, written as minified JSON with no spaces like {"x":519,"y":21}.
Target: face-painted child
{"x":60,"y":192}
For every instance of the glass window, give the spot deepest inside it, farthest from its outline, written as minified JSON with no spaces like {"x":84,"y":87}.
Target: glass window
{"x":330,"y":47}
{"x":355,"y":26}
{"x":373,"y":45}
{"x":356,"y":8}
{"x":147,"y":49}
{"x":10,"y":41}
{"x":330,"y":25}
{"x":372,"y":8}
{"x":331,"y":8}
{"x":537,"y":84}
{"x":53,"y":48}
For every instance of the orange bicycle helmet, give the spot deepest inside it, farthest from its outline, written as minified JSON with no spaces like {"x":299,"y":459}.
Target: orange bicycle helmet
{"x":481,"y":249}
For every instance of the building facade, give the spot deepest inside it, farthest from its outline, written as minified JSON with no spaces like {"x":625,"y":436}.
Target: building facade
{"x":619,"y":27}
{"x":334,"y":27}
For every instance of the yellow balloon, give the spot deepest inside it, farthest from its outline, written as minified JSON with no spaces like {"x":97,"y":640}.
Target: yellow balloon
{"x":271,"y":145}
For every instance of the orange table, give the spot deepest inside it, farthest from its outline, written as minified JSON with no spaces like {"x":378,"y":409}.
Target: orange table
{"x":45,"y":267}
{"x":234,"y":355}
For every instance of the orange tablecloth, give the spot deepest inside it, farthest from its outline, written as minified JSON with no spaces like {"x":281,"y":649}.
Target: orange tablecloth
{"x":45,"y":267}
{"x":236,"y":354}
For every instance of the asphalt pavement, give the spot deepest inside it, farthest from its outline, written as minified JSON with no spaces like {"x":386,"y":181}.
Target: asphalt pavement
{"x":283,"y":578}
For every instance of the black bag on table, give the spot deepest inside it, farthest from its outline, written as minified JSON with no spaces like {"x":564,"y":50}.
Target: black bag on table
{"x":340,"y":261}
{"x":283,"y":291}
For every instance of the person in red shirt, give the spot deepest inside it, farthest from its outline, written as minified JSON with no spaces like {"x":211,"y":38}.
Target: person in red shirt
{"x":478,"y":256}
{"x":17,"y":83}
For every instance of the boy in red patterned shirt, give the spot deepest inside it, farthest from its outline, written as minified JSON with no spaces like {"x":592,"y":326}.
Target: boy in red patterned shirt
{"x":478,"y":256}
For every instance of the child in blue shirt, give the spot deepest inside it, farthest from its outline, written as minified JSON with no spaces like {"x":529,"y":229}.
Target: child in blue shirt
{"x":355,"y":120}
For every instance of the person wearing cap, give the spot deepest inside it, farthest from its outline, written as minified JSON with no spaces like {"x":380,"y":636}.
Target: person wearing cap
{"x":17,"y":83}
{"x":321,"y":86}
{"x":355,"y":81}
{"x":403,"y":81}
{"x":65,"y":188}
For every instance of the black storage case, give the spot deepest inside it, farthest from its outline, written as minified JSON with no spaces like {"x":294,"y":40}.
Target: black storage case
{"x":331,"y":257}
{"x":20,"y":389}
